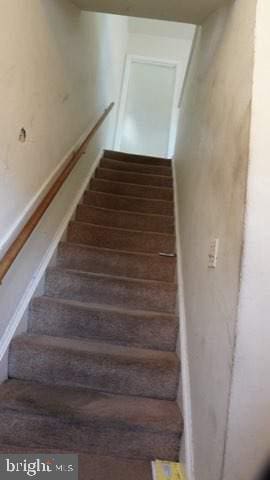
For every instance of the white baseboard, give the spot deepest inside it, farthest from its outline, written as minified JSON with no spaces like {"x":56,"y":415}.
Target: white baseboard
{"x":17,"y":318}
{"x":183,"y":349}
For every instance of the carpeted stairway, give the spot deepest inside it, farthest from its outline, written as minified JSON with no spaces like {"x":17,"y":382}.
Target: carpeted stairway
{"x":97,"y":372}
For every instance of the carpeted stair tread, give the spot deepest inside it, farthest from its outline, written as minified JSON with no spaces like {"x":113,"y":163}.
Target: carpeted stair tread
{"x":94,"y":422}
{"x":97,"y":372}
{"x":128,"y":203}
{"x":125,"y":219}
{"x":96,"y":365}
{"x":114,"y":262}
{"x":122,"y":291}
{"x":120,"y":238}
{"x":66,"y":318}
{"x":143,"y":159}
{"x":134,"y":178}
{"x":96,"y":467}
{"x":129,"y":189}
{"x":125,"y":165}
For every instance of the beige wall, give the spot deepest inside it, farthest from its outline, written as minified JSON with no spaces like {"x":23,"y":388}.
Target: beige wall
{"x":211,"y":167}
{"x":249,"y":423}
{"x":60,"y":68}
{"x":159,"y":39}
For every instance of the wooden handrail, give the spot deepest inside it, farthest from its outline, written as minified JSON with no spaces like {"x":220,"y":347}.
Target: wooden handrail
{"x":22,"y":237}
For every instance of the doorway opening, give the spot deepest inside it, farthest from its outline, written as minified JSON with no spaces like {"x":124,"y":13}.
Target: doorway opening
{"x":157,"y":56}
{"x":149,"y":107}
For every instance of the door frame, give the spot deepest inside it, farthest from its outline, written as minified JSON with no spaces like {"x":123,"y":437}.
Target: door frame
{"x":175,"y":106}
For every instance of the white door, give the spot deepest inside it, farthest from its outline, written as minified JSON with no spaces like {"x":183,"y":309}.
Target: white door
{"x":147,"y":109}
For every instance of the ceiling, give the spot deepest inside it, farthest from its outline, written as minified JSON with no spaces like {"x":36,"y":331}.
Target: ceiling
{"x":188,"y":11}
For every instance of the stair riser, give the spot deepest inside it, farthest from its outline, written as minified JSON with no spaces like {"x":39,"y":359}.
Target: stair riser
{"x":124,"y":375}
{"x":120,"y":239}
{"x":100,"y":185}
{"x":101,"y":364}
{"x":61,"y":320}
{"x":93,"y":438}
{"x":144,"y":160}
{"x":151,"y":267}
{"x":135,"y":167}
{"x":135,"y":178}
{"x":140,"y":205}
{"x":111,"y":291}
{"x":130,"y":221}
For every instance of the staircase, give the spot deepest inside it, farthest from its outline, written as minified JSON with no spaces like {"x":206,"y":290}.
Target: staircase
{"x":97,"y":372}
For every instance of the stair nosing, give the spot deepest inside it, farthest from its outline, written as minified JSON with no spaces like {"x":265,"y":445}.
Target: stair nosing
{"x":124,"y":229}
{"x":130,"y":197}
{"x":158,"y":187}
{"x":101,"y":307}
{"x":128,"y":212}
{"x":91,"y":222}
{"x":77,"y":341}
{"x":105,"y":275}
{"x":109,"y":250}
{"x":138,"y":165}
{"x":64,"y":417}
{"x":135,"y":185}
{"x":135,"y":155}
{"x":136,"y":173}
{"x":84,"y":247}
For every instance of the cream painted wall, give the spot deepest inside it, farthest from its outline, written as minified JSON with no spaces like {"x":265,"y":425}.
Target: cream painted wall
{"x":160,"y":28}
{"x":59,"y":69}
{"x":58,"y":72}
{"x":153,"y":38}
{"x":248,"y":439}
{"x":211,"y":167}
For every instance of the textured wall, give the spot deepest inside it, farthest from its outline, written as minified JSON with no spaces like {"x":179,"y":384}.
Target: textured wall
{"x":249,"y":422}
{"x":59,"y":68}
{"x":211,"y":165}
{"x":163,"y":48}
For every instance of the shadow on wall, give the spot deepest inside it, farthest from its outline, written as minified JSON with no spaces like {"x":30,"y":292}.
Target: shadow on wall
{"x":54,"y":84}
{"x":211,"y":171}
{"x":68,"y":69}
{"x":99,"y":40}
{"x":101,"y":34}
{"x":265,"y":473}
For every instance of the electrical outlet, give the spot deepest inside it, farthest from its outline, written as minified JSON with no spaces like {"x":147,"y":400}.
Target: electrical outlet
{"x":213,"y":253}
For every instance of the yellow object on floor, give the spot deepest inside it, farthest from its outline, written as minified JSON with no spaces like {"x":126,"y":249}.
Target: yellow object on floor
{"x":162,"y":470}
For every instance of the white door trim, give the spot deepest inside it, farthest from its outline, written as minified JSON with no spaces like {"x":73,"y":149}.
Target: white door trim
{"x":177,"y":90}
